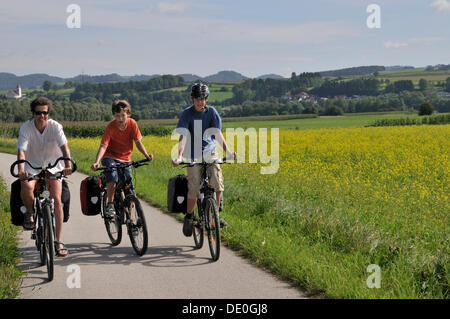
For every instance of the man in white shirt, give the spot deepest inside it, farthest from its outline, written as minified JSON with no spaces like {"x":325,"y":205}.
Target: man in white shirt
{"x":42,"y":141}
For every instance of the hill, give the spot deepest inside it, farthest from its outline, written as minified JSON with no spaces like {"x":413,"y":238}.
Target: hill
{"x":190,"y":77}
{"x":270,"y":76}
{"x":359,"y":70}
{"x":223,"y":76}
{"x":31,"y":81}
{"x":9,"y":81}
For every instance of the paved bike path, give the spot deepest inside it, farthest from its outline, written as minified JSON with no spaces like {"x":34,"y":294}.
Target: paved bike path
{"x":171,"y":268}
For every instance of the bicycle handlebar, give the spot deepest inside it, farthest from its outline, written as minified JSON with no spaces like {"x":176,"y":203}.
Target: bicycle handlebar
{"x":218,"y":161}
{"x":13,"y":165}
{"x":123,"y":165}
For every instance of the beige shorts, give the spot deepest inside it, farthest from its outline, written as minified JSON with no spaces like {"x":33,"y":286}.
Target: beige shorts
{"x":194,"y":177}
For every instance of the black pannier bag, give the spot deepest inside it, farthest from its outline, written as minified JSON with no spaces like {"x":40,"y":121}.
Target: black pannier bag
{"x":65,"y":199}
{"x":177,"y":191}
{"x":18,"y":208}
{"x":15,"y":202}
{"x":90,"y":190}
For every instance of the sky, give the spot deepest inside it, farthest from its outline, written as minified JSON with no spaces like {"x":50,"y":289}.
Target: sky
{"x":252,"y":37}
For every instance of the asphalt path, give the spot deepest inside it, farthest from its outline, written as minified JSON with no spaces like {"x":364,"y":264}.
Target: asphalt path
{"x":171,"y":268}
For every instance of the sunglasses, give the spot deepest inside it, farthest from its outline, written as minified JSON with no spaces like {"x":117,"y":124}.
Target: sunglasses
{"x":40,"y":112}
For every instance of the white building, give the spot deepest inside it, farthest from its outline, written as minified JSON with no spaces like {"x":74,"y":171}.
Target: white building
{"x":15,"y":94}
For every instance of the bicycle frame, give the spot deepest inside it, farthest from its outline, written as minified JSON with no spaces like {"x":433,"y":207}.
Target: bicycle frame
{"x":208,"y":215}
{"x":42,"y":200}
{"x":128,"y":209}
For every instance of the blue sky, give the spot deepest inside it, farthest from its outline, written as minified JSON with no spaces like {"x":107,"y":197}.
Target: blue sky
{"x":203,"y":37}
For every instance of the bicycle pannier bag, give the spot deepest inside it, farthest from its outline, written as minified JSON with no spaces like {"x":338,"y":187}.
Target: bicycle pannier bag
{"x":65,"y":199}
{"x":17,"y":207}
{"x":177,"y":191}
{"x":90,"y":189}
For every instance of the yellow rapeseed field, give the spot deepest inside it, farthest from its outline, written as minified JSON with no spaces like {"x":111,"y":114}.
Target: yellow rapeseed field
{"x":342,"y":198}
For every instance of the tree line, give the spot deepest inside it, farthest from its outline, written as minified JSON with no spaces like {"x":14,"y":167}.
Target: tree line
{"x":157,"y":99}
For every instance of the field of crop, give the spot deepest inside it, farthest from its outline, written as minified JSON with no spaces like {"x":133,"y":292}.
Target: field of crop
{"x":415,"y":75}
{"x":343,"y":199}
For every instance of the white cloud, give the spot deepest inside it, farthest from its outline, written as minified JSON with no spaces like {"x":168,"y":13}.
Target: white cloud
{"x":166,"y":7}
{"x":441,"y":5}
{"x":412,"y":41}
{"x":427,"y":40}
{"x":395,"y":44}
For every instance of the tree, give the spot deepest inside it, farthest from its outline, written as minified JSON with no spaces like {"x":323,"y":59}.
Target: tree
{"x":47,"y":85}
{"x":448,"y":85}
{"x":423,"y":84}
{"x":426,"y":109}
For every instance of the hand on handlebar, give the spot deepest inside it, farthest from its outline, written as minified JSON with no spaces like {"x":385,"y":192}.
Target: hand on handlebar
{"x":95,"y":166}
{"x":232,"y":155}
{"x":177,"y":161}
{"x":23,"y":175}
{"x":67,"y":171}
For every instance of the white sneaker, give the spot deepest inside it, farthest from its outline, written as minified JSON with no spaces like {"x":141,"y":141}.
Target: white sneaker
{"x":110,"y":211}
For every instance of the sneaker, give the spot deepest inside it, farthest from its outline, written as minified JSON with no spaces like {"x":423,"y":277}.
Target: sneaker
{"x":187,"y":225}
{"x":110,"y":211}
{"x":222,"y":222}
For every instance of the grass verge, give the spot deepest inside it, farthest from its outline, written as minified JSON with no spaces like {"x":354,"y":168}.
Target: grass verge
{"x":9,"y":254}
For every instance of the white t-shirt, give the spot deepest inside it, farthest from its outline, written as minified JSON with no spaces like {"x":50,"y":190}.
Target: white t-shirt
{"x":42,"y":149}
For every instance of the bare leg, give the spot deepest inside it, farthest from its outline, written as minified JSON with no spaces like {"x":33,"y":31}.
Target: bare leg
{"x":27,"y":194}
{"x":55,"y":187}
{"x":191,"y":205}
{"x":110,"y":189}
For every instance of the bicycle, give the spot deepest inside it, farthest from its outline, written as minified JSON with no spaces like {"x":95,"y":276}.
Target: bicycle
{"x":207,"y":216}
{"x":43,"y":212}
{"x":128,"y":209}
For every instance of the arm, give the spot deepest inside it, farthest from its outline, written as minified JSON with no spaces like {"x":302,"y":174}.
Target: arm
{"x":181,"y":146}
{"x":66,"y":153}
{"x":22,"y":173}
{"x":140,"y":146}
{"x":100,"y":153}
{"x":223,"y":143}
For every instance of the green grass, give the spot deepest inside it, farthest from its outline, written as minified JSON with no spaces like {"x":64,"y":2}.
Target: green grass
{"x":415,"y":75}
{"x":348,"y":120}
{"x":9,"y":255}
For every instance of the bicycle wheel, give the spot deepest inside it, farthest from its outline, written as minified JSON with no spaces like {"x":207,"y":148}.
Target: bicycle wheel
{"x":198,"y":226}
{"x":39,"y":233}
{"x":113,"y":225}
{"x":48,"y":241}
{"x":212,"y":228}
{"x":137,"y":227}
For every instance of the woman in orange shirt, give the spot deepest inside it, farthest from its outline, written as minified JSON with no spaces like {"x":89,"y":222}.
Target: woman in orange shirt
{"x":117,"y":146}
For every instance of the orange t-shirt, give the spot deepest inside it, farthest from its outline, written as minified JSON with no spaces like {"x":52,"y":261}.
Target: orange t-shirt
{"x":119,"y":144}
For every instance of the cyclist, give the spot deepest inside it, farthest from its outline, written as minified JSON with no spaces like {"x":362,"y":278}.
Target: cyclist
{"x":117,"y":146}
{"x":42,"y":141}
{"x":199,"y":126}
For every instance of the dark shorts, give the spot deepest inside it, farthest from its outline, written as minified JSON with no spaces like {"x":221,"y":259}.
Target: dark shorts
{"x":113,"y":176}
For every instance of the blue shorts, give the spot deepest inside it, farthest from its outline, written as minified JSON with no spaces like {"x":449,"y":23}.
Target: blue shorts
{"x":112,"y":176}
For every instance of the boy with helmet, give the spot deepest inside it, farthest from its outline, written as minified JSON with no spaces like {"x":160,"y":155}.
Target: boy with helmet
{"x":199,"y":126}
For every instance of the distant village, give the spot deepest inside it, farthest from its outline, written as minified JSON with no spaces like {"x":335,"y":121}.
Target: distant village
{"x":15,"y":94}
{"x":306,"y":97}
